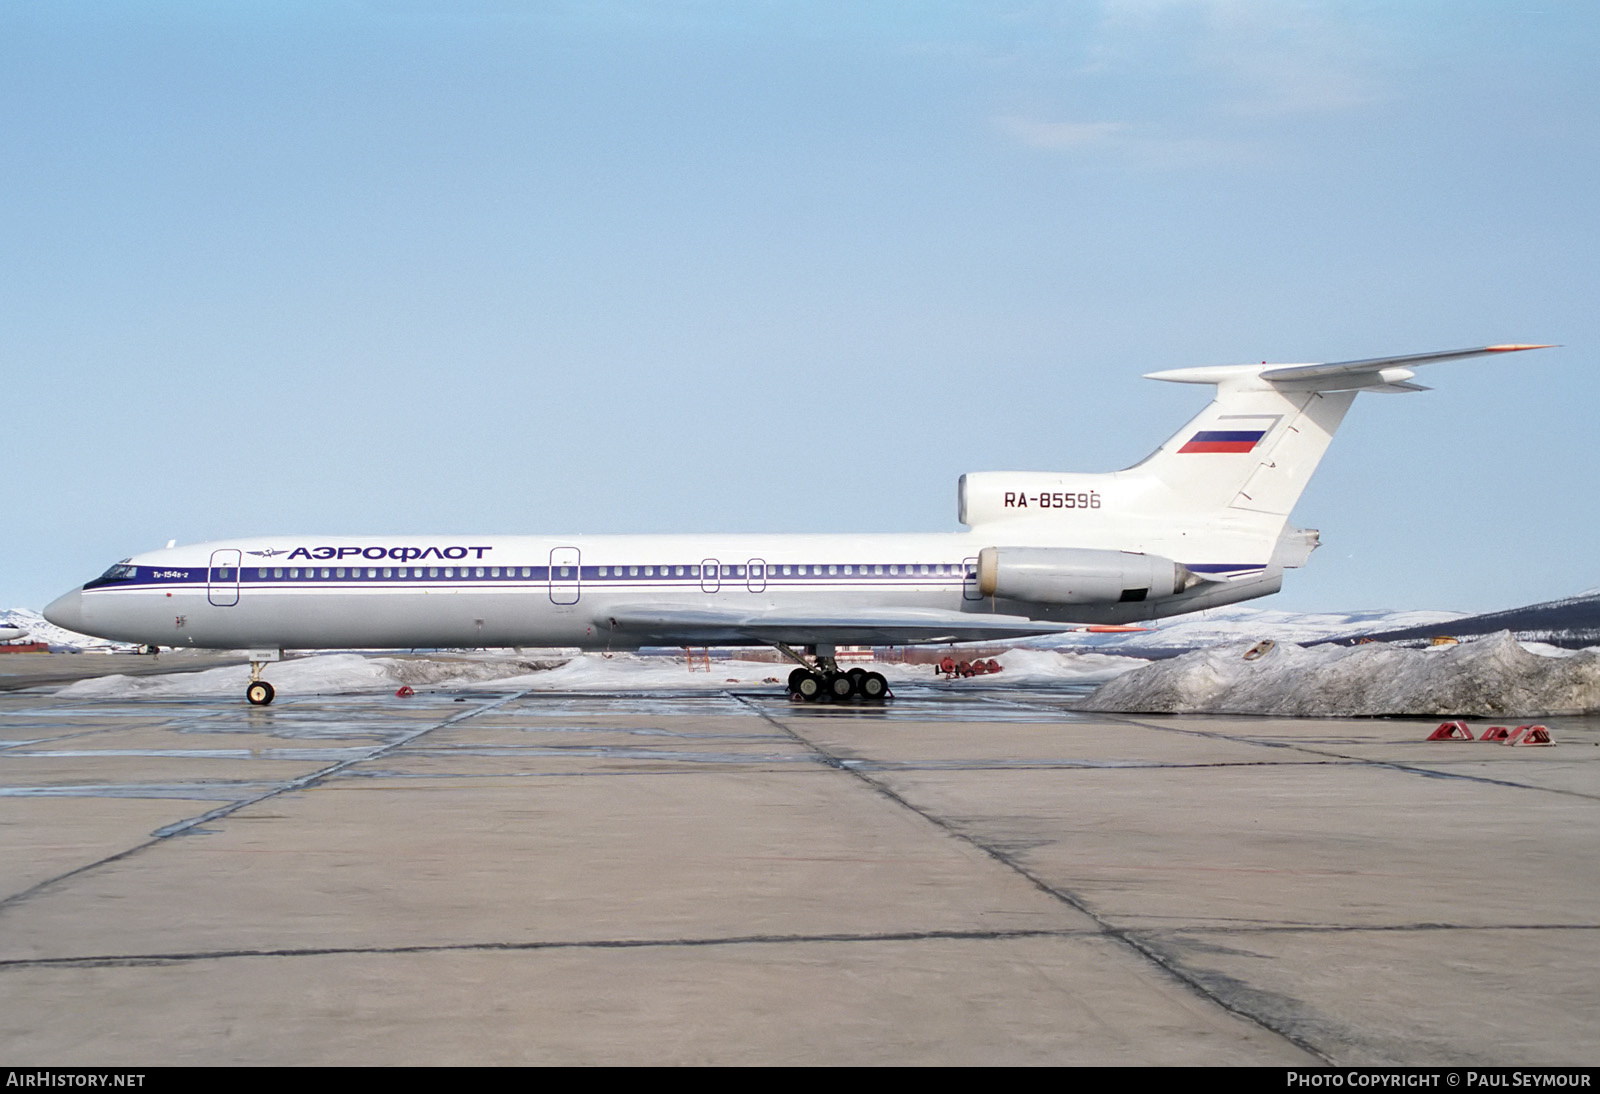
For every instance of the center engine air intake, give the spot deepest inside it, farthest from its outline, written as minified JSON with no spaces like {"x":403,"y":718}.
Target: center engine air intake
{"x":1073,"y":575}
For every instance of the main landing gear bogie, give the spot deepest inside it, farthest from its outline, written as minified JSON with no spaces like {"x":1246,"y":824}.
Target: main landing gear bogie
{"x":809,"y":685}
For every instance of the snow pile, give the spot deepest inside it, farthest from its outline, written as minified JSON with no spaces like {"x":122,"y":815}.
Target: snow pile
{"x":332,"y":674}
{"x":1058,"y":667}
{"x":1493,"y":676}
{"x":328,"y":674}
{"x":306,"y":675}
{"x":625,"y":672}
{"x":630,"y":672}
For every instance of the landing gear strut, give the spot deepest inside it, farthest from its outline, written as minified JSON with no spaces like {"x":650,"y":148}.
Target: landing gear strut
{"x":258,"y":691}
{"x":819,"y":677}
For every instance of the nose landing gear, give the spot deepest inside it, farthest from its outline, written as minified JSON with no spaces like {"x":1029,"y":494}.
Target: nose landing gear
{"x":258,"y":692}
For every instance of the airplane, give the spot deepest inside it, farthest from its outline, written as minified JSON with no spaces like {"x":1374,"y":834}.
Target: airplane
{"x":1201,"y":522}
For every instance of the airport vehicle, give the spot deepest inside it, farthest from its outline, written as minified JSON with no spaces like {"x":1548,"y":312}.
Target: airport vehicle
{"x":1199,"y":523}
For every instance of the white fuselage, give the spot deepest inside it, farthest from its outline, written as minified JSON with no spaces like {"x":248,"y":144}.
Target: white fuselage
{"x":400,"y":592}
{"x":407,"y":592}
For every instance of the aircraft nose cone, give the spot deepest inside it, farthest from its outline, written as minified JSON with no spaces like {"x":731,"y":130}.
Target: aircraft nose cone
{"x":67,"y":612}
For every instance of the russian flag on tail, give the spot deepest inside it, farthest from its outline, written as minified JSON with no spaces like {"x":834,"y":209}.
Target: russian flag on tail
{"x":1224,"y":440}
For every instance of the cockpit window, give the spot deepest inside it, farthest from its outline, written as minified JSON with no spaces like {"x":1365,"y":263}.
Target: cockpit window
{"x":118,"y":573}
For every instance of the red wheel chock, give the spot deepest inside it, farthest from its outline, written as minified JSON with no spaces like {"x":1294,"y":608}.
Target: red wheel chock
{"x":1535,"y":735}
{"x":1496,"y":733}
{"x":1451,"y":731}
{"x":404,"y":692}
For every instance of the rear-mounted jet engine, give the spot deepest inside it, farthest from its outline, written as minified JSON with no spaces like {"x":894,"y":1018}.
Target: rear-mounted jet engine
{"x":1074,"y":575}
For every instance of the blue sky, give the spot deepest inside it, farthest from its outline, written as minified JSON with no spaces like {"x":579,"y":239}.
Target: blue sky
{"x":611,"y":267}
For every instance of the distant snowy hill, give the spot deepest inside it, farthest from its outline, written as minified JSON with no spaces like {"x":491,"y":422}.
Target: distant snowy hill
{"x":54,"y":636}
{"x":1572,"y":622}
{"x":1221,"y":625}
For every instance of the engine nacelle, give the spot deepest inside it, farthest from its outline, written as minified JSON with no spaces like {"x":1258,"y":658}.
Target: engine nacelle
{"x":1072,"y":575}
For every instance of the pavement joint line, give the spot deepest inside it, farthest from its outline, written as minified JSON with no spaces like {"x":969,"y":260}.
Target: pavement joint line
{"x":1393,"y":765}
{"x":52,"y":740}
{"x":846,"y":937}
{"x":832,"y":937}
{"x":811,"y":764}
{"x":1344,"y":757}
{"x":1141,"y":946}
{"x":1373,"y":928}
{"x":160,"y":835}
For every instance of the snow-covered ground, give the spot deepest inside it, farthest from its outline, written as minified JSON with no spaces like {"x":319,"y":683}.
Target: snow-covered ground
{"x":1495,"y":676}
{"x":354,"y":673}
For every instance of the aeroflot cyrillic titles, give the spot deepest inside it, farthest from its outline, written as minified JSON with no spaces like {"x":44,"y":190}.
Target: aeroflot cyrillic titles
{"x":400,"y":554}
{"x":1201,"y":522}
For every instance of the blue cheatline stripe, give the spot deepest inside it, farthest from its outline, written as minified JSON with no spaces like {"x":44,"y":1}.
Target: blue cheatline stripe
{"x":615,"y":576}
{"x":199,"y":577}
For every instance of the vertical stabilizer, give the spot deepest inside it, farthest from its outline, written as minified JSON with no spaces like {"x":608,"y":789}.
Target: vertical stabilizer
{"x":1242,"y":463}
{"x":1253,"y":449}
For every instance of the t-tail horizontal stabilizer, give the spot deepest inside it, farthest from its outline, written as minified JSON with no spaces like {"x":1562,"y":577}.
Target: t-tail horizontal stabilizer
{"x":1387,"y":374}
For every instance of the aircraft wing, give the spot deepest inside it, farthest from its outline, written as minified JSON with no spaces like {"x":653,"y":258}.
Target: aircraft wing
{"x":672,"y":626}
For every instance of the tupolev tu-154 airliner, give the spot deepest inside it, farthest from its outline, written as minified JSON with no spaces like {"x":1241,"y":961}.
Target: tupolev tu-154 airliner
{"x":1202,"y":521}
